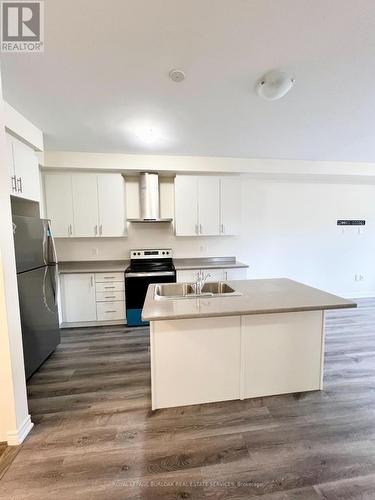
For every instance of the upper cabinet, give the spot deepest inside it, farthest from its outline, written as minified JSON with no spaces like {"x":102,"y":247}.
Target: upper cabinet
{"x":59,"y":203}
{"x":86,"y":205}
{"x":186,"y":205}
{"x":23,"y":169}
{"x":207,"y":205}
{"x":230,"y":206}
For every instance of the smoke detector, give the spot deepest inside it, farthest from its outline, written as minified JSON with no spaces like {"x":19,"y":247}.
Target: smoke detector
{"x":274,"y":85}
{"x":177,"y":75}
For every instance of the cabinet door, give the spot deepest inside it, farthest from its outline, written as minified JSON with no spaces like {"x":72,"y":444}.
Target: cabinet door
{"x":235,"y":274}
{"x":10,"y":159}
{"x":209,"y":205}
{"x":59,"y":203}
{"x":186,"y":205}
{"x":85,"y":204}
{"x":26,"y":170}
{"x":282,"y":353}
{"x":78,"y":297}
{"x":111,"y":199}
{"x":230,"y":206}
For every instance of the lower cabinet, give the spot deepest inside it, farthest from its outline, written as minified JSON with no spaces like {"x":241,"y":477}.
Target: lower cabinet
{"x":91,"y":297}
{"x":78,"y":298}
{"x":190,"y":275}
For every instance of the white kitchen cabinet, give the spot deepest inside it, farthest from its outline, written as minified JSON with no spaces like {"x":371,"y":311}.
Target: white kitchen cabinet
{"x":78,"y":297}
{"x":186,"y":205}
{"x":24,"y":170}
{"x":208,"y":205}
{"x":230,"y":206}
{"x":214,"y":375}
{"x":282,"y":353}
{"x":187,"y":276}
{"x":111,"y":206}
{"x":234,"y":274}
{"x":59,"y":203}
{"x":85,"y":205}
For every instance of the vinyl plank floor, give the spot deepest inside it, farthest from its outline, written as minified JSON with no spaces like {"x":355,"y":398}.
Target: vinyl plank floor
{"x":95,"y":436}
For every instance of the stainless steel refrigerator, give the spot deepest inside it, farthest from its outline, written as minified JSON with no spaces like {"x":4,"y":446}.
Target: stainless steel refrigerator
{"x":37,"y":288}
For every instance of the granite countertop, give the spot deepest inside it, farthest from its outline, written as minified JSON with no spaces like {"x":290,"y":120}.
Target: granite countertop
{"x":262,"y":296}
{"x":208,"y":263}
{"x":93,"y":266}
{"x":111,"y":266}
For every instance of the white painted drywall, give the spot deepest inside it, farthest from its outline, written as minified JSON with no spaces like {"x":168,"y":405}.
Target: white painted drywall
{"x":288,"y":229}
{"x":14,"y":416}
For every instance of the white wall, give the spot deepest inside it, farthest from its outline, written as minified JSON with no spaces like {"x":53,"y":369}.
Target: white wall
{"x":288,"y":229}
{"x":14,"y":416}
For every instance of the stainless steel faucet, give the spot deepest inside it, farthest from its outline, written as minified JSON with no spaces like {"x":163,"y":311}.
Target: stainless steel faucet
{"x":201,"y":280}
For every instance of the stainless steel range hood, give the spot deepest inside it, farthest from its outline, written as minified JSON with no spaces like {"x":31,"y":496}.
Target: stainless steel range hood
{"x":149,"y":199}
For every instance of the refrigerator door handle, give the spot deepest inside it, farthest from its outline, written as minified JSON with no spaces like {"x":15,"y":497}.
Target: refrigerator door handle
{"x":44,"y":291}
{"x":53,"y":246}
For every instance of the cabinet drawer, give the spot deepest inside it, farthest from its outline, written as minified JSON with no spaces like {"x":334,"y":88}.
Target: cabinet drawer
{"x":105,"y":277}
{"x":110,"y":311}
{"x":113,"y":286}
{"x":110,"y":296}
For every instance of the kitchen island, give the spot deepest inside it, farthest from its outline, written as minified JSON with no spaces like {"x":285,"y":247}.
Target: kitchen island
{"x":266,"y":339}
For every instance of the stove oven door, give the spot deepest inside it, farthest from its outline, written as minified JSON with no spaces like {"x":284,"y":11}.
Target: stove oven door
{"x":136,"y":285}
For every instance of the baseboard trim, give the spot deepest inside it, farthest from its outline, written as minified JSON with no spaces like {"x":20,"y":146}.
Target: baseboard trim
{"x":86,"y":324}
{"x":14,"y":438}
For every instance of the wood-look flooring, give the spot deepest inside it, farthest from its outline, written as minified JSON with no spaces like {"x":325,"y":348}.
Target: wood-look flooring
{"x":96,"y":438}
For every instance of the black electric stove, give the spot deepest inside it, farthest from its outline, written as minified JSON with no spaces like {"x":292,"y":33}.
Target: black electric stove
{"x":146,"y":267}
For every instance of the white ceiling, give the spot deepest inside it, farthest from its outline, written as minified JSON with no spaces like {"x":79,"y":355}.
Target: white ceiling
{"x":105,"y":70}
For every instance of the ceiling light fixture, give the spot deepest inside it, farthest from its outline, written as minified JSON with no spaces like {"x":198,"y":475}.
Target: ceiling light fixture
{"x":177,"y":75}
{"x":274,"y":85}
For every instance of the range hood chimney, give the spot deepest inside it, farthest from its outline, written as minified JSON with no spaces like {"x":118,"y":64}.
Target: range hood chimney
{"x":149,"y":199}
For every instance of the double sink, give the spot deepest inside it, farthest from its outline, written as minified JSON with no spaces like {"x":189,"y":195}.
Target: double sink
{"x":188,"y":290}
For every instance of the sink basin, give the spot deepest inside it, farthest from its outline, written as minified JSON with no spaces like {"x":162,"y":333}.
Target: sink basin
{"x":174,"y":290}
{"x":187,"y":290}
{"x":217,"y":287}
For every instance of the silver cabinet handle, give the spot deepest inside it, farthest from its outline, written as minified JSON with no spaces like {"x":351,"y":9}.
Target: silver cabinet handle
{"x":222,"y":229}
{"x":200,"y":229}
{"x":110,"y":311}
{"x":14,"y":183}
{"x":101,"y":229}
{"x":109,"y":277}
{"x":96,"y":230}
{"x":92,"y":281}
{"x":196,"y":229}
{"x":70,"y":230}
{"x":109,"y":287}
{"x":110,"y":297}
{"x":19,"y":185}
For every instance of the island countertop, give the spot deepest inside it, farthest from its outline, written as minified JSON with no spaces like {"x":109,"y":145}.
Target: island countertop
{"x":259,"y":296}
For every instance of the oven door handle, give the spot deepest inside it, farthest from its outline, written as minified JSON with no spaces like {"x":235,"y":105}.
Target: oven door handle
{"x":151,"y":275}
